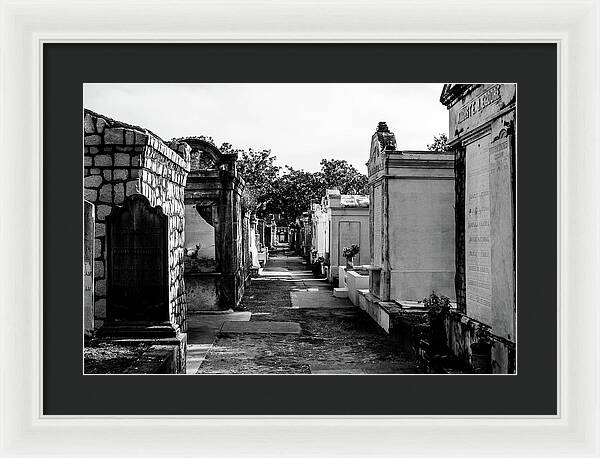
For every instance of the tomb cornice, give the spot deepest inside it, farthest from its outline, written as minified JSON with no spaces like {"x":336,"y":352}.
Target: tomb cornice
{"x":446,"y":162}
{"x":449,"y":176}
{"x":461,"y":138}
{"x":452,"y":93}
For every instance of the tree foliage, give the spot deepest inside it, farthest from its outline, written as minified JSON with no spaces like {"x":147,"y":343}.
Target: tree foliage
{"x":288,"y":191}
{"x":440,"y":143}
{"x":260,"y":174}
{"x":336,"y":173}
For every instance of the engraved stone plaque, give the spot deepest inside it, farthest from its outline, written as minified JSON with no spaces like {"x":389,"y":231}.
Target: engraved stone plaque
{"x":502,"y":237}
{"x":137,"y":275}
{"x":477,"y":230}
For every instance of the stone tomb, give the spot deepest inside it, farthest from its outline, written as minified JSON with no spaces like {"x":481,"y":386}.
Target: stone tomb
{"x":215,"y":235}
{"x":122,"y":160}
{"x":123,"y":165}
{"x":482,"y":133}
{"x":412,"y":219}
{"x":348,"y":217}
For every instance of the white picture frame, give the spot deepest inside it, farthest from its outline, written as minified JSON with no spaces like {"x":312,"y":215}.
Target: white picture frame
{"x":573,"y":25}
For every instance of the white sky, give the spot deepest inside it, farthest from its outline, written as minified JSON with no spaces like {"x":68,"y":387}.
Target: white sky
{"x":300,"y":123}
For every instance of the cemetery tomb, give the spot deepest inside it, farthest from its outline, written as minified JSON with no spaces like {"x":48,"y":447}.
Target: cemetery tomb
{"x":214,"y":260}
{"x":348,"y":218}
{"x":412,"y":219}
{"x":482,"y":133}
{"x":129,"y":174}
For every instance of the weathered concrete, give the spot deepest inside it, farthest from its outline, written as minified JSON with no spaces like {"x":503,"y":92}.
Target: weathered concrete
{"x":338,"y":340}
{"x":202,"y":332}
{"x":260,"y":327}
{"x":317,"y":299}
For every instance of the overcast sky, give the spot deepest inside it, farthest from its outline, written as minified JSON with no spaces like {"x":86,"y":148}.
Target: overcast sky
{"x":300,"y":123}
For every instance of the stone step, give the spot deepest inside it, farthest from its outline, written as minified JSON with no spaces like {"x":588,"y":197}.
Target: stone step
{"x":340,"y":292}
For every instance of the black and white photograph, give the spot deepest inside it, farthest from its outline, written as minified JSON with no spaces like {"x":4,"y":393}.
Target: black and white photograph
{"x":299,"y":228}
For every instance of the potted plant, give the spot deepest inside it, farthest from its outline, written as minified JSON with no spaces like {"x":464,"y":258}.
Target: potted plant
{"x":349,"y":253}
{"x":437,"y":309}
{"x":481,"y":350}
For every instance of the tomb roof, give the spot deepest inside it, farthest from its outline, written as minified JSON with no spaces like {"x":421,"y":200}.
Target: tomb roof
{"x":451,"y":93}
{"x":177,"y":147}
{"x":354,"y":200}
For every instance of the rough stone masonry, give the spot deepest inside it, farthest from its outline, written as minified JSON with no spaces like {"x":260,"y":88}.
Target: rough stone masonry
{"x":121,"y":160}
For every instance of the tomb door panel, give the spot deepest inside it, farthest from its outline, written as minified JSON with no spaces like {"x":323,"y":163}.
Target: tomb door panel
{"x":137,"y":287}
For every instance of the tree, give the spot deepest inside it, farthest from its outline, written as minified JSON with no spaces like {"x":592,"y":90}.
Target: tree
{"x":336,"y":173}
{"x":259,"y":172}
{"x":289,"y":191}
{"x":295,"y":189}
{"x":440,"y":143}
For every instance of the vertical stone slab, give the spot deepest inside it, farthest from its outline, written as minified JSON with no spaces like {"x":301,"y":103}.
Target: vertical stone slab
{"x":477,"y":231}
{"x":137,"y":275}
{"x":502,"y":237}
{"x":88,"y":266}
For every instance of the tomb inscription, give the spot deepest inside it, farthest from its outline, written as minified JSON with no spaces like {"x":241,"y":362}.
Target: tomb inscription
{"x":137,"y":286}
{"x":502,"y":237}
{"x":477,"y":234}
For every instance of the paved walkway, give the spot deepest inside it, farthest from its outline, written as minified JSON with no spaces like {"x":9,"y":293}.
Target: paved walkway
{"x":290,"y":323}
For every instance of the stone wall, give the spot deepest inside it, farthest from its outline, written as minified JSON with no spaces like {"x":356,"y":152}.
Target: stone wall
{"x":121,"y":160}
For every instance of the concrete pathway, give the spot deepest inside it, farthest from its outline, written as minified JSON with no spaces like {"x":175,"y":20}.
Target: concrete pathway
{"x":290,"y":323}
{"x":202,"y":333}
